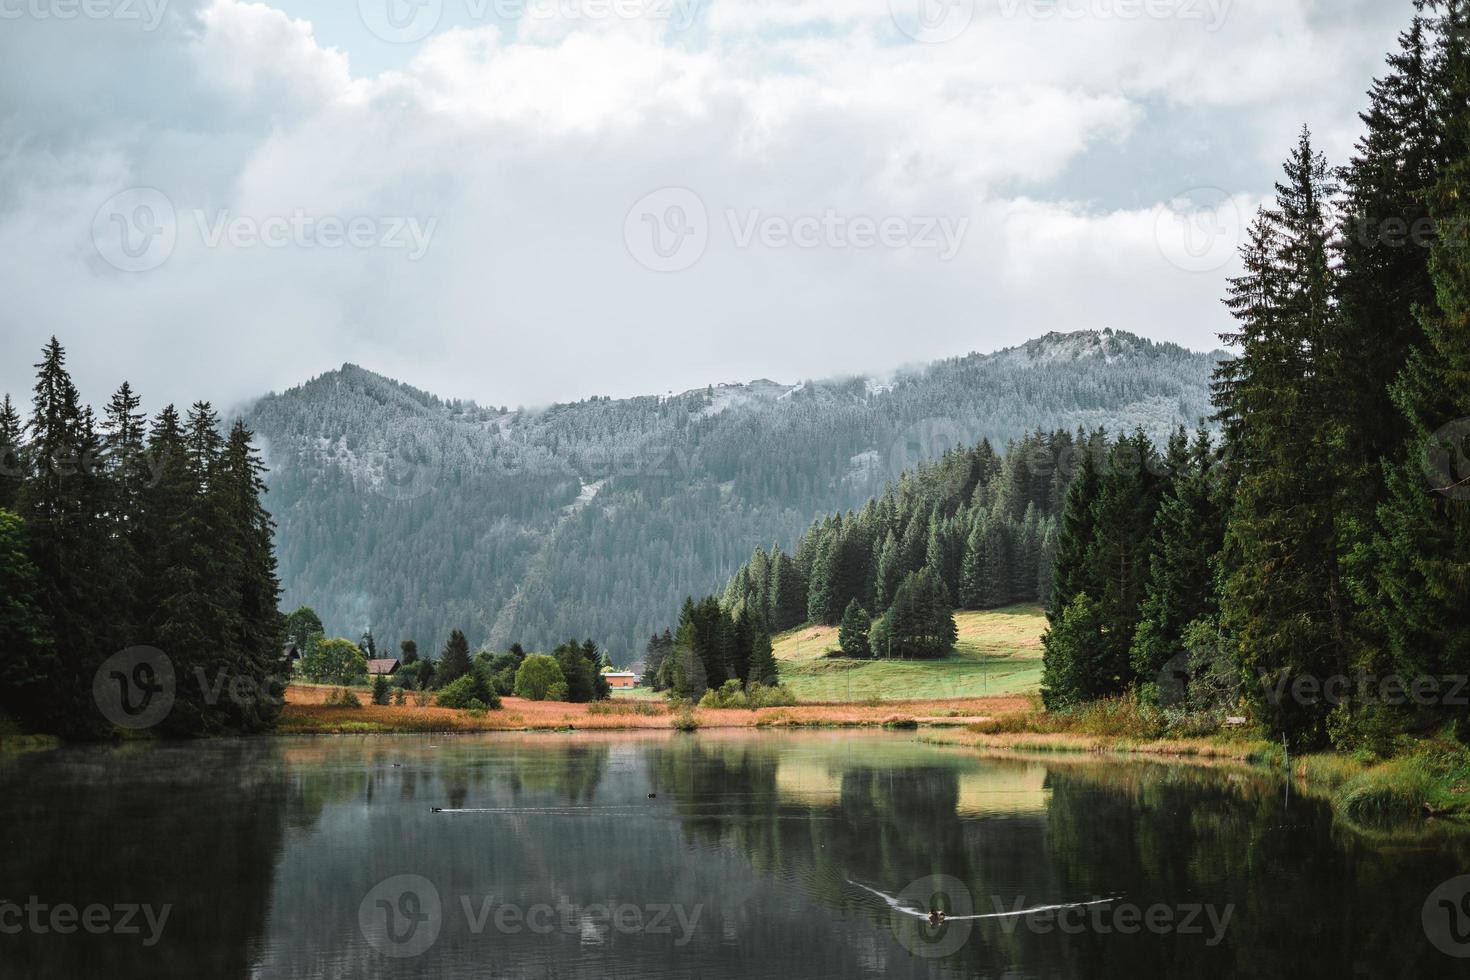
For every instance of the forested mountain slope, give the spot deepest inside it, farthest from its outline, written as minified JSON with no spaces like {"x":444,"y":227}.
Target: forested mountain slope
{"x":415,"y":515}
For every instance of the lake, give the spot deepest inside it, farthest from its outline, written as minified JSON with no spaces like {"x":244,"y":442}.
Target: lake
{"x":706,"y":855}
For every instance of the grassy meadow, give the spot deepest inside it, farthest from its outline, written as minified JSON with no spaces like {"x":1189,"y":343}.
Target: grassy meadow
{"x":998,"y":654}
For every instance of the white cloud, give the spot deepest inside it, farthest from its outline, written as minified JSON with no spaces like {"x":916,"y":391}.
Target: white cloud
{"x":258,"y":53}
{"x":526,"y":145}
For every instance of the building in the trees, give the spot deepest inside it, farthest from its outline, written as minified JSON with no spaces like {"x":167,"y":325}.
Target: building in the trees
{"x":382,"y":667}
{"x":621,"y":679}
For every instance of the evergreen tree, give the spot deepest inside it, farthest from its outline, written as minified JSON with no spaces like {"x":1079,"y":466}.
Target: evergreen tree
{"x":763,"y":666}
{"x":742,"y":641}
{"x":822,"y":587}
{"x":1128,"y":497}
{"x":11,"y":445}
{"x":58,"y":505}
{"x":1383,"y":250}
{"x":1046,"y":560}
{"x":454,"y":662}
{"x":1284,"y":604}
{"x":256,"y":651}
{"x":577,"y":671}
{"x":788,"y":601}
{"x":704,"y":630}
{"x":1073,"y":575}
{"x":1188,"y":533}
{"x":1420,"y":551}
{"x":889,"y":573}
{"x":853,"y":636}
{"x":684,"y":673}
{"x":601,"y":689}
{"x":1071,"y":671}
{"x":126,"y":478}
{"x":656,"y":654}
{"x":989,"y":580}
{"x":921,"y":621}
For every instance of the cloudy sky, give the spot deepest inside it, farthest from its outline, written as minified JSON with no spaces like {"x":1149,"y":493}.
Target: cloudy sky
{"x":522,"y":201}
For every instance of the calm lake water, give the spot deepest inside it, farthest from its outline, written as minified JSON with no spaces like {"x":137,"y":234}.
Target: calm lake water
{"x":757,"y":855}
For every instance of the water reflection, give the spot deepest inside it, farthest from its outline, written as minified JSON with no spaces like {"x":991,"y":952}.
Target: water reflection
{"x":693,"y":856}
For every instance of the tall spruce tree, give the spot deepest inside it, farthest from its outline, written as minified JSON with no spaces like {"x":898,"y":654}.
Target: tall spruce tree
{"x":1421,"y":547}
{"x":1284,"y":605}
{"x":454,"y":661}
{"x":258,"y":643}
{"x":59,"y":503}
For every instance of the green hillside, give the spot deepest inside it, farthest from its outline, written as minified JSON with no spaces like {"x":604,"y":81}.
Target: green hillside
{"x":999,"y":652}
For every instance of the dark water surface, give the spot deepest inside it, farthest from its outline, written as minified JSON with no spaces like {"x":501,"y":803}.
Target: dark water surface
{"x":759,"y":855}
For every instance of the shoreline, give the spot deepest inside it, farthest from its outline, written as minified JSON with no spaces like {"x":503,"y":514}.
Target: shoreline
{"x":1424,"y":786}
{"x":306,"y":714}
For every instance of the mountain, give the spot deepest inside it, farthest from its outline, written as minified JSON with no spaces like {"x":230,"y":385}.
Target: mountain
{"x":412,"y":515}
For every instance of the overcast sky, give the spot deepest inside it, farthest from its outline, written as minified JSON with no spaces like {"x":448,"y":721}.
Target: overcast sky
{"x":524,"y":201}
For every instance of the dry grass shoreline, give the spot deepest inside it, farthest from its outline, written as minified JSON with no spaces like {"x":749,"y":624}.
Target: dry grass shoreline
{"x":306,"y":714}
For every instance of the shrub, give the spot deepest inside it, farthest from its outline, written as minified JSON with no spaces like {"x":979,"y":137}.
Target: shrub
{"x":774,"y":696}
{"x":730,"y":695}
{"x":559,"y":692}
{"x":900,"y":723}
{"x":536,"y":677}
{"x":468,"y":692}
{"x":381,"y":692}
{"x":342,"y":698}
{"x":400,"y":697}
{"x":685,"y":721}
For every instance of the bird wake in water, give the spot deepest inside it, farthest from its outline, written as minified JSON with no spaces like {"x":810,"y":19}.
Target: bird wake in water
{"x":907,"y":908}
